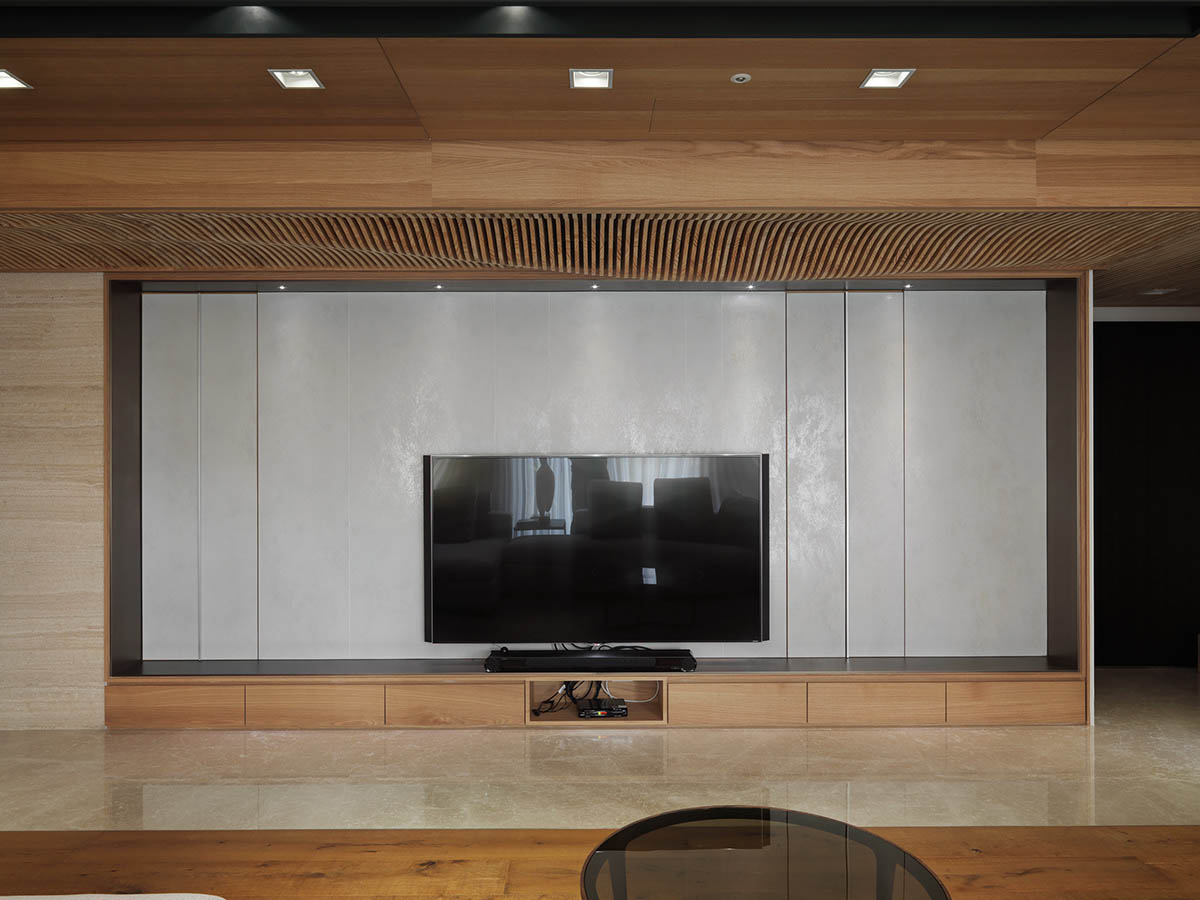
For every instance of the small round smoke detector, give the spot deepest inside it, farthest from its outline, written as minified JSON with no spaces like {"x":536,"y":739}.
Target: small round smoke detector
{"x":739,"y":78}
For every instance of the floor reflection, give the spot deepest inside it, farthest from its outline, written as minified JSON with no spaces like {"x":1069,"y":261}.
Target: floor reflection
{"x":1139,"y":765}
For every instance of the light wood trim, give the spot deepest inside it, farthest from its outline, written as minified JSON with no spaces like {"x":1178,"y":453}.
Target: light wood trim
{"x":739,"y":704}
{"x":628,"y":175}
{"x":1016,"y":703}
{"x":659,"y":176}
{"x":175,"y":706}
{"x":314,"y":705}
{"x":418,"y":704}
{"x":677,"y":677}
{"x":1147,"y":173}
{"x":216,"y":174}
{"x":879,"y":703}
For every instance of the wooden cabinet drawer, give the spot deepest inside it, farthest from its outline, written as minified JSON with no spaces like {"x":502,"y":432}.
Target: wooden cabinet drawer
{"x":314,"y":705}
{"x":748,"y":704}
{"x":1015,"y":703}
{"x":174,"y":706}
{"x":497,"y":703}
{"x":877,"y":703}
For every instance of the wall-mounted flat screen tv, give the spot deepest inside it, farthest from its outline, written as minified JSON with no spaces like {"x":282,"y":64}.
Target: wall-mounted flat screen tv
{"x":595,"y":549}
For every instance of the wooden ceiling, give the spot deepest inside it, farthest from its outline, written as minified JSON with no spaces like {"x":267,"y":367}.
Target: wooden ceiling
{"x":1161,"y":101}
{"x":516,"y":88}
{"x":1073,"y":94}
{"x":800,"y":89}
{"x":167,"y":89}
{"x":712,"y":247}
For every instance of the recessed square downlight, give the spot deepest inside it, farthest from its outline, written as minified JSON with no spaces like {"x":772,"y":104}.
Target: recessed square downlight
{"x":9,"y":80}
{"x":297,"y":78}
{"x":591,"y":78}
{"x":887,"y":78}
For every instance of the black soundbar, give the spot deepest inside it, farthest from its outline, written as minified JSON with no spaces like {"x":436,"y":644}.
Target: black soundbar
{"x":505,"y":660}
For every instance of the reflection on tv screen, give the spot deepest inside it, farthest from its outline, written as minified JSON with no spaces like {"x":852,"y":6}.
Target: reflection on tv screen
{"x":616,"y":549}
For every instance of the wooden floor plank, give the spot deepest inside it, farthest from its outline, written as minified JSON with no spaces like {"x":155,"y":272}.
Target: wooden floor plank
{"x":1098,"y":863}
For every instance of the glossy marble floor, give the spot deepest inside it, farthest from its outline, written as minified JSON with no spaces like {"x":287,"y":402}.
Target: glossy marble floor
{"x":1140,"y":764}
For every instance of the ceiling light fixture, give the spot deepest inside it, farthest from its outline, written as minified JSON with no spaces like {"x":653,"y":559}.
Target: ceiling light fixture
{"x":749,"y":287}
{"x":438,"y":286}
{"x":297,"y":78}
{"x":9,"y":80}
{"x":591,"y":78}
{"x":740,"y":78}
{"x":283,"y":287}
{"x":595,"y":286}
{"x":887,"y":78}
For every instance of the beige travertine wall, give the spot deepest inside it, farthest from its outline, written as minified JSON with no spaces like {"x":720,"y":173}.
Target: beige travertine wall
{"x":51,"y":501}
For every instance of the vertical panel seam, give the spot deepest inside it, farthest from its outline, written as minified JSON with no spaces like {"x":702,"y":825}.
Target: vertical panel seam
{"x":787,"y":493}
{"x":346,"y":463}
{"x":257,"y":488}
{"x":845,"y":473}
{"x":904,"y":471}
{"x":199,"y":494}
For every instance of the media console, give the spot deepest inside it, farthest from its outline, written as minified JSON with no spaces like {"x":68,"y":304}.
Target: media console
{"x":731,"y":693}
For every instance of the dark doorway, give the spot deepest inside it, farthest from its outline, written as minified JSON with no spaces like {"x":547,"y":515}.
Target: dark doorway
{"x":1147,"y":493}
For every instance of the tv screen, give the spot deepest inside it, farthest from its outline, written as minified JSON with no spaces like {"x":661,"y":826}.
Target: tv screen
{"x":595,"y":549}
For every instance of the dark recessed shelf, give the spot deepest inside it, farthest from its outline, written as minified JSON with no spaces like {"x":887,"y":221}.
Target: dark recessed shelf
{"x":743,"y":665}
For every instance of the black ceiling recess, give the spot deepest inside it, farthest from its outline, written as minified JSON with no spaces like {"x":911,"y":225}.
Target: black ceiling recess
{"x":305,"y":18}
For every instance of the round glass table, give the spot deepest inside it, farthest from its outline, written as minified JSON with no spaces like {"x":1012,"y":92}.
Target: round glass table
{"x":752,"y":853}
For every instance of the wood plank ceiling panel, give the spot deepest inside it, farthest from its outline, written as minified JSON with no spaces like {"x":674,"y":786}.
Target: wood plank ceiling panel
{"x":202,"y":90}
{"x":715,"y":247}
{"x":1162,"y":101}
{"x":1173,"y":265}
{"x":496,"y":88}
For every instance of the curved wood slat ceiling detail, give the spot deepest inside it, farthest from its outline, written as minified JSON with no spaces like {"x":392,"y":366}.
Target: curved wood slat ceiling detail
{"x":725,"y":246}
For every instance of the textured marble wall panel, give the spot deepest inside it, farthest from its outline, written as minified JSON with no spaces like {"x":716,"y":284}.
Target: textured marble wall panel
{"x":752,"y":406}
{"x":228,"y":476}
{"x":875,"y":474}
{"x":617,"y":370}
{"x":975,"y":472}
{"x":816,"y":448}
{"x":422,"y":378}
{"x":524,"y":379}
{"x":302,"y":476}
{"x":51,"y":503}
{"x":170,"y":477}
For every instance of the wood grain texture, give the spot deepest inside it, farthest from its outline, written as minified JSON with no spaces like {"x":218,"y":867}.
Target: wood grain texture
{"x":708,"y":246}
{"x":1015,"y":703}
{"x":1161,"y":100}
{"x":175,"y":706}
{"x":736,"y":705}
{"x":1046,"y":863}
{"x":213,"y":89}
{"x":215,"y":175}
{"x":879,"y":703}
{"x":51,"y":501}
{"x":422,"y":704}
{"x":1079,"y":174}
{"x":314,"y":705}
{"x":738,"y":174}
{"x":704,"y":175}
{"x":1173,"y":263}
{"x":515,"y":88}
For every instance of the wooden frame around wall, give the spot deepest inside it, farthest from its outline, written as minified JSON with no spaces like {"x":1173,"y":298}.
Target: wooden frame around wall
{"x":1045,"y":705}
